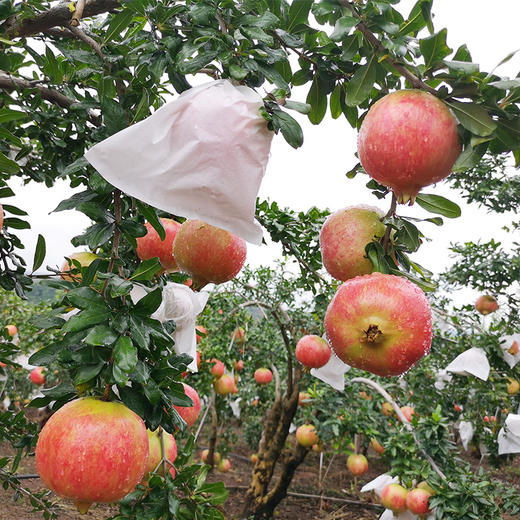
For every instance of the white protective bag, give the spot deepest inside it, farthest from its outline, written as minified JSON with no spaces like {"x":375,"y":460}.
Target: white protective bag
{"x":201,"y":156}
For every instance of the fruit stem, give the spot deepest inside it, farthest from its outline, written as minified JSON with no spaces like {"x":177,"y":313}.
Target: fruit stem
{"x":385,"y":241}
{"x":106,"y":394}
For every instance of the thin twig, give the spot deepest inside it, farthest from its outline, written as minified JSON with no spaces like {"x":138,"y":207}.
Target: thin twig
{"x":78,"y":33}
{"x":391,"y":212}
{"x":201,"y":424}
{"x":222,"y":23}
{"x":402,"y":418}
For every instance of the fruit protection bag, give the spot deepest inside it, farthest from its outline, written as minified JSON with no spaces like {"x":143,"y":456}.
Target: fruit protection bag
{"x":182,"y":305}
{"x":472,"y":362}
{"x":201,"y":156}
{"x":509,"y":435}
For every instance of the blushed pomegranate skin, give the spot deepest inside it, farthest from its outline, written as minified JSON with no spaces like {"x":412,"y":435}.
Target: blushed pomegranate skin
{"x":306,"y":435}
{"x":190,"y":413}
{"x":408,"y":140}
{"x":312,"y":351}
{"x":151,"y":245}
{"x":225,"y":385}
{"x":207,"y":253}
{"x":486,"y":304}
{"x":155,"y":451}
{"x":263,"y":376}
{"x":92,"y":451}
{"x":393,"y":497}
{"x":380,"y":323}
{"x":343,"y":238}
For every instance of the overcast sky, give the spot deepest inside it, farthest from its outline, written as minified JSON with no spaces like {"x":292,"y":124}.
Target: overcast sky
{"x":314,"y":175}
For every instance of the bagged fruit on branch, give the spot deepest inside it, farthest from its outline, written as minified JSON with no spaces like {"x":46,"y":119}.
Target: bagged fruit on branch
{"x":181,"y":305}
{"x":202,"y":156}
{"x":472,"y":362}
{"x":333,"y":373}
{"x":509,"y":435}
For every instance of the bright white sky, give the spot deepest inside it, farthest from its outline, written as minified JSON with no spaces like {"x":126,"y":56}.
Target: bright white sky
{"x":314,"y":175}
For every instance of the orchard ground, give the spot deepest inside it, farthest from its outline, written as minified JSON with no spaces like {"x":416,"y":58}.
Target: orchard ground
{"x":338,"y":483}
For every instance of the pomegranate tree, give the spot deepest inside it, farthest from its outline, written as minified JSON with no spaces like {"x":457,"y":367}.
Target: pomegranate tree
{"x":408,"y":140}
{"x":151,"y":245}
{"x":379,"y":322}
{"x":92,"y":451}
{"x":343,"y":238}
{"x":207,"y":253}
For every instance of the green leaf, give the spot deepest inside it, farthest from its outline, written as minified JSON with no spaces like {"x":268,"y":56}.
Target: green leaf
{"x":463,"y":67}
{"x":302,"y":108}
{"x":101,"y":336}
{"x":506,"y":84}
{"x":408,"y":235}
{"x":7,"y":115}
{"x":359,"y":87}
{"x":46,"y":355}
{"x":86,"y":318}
{"x":125,"y":354}
{"x":335,"y":101}
{"x":237,"y":72}
{"x":473,"y":117}
{"x":146,"y":270}
{"x":416,"y":20}
{"x":342,"y":27}
{"x":119,"y":287}
{"x":298,"y":13}
{"x":376,"y":254}
{"x":434,"y":48}
{"x":85,"y":297}
{"x":7,"y":165}
{"x":149,"y":303}
{"x":469,"y":158}
{"x":150,"y":215}
{"x":87,"y":372}
{"x":317,"y":99}
{"x":114,"y":115}
{"x":16,"y":223}
{"x":438,"y":204}
{"x":118,"y":24}
{"x":290,"y":128}
{"x":39,"y":253}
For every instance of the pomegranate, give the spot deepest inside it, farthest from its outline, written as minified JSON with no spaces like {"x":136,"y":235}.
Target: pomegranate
{"x":238,"y":365}
{"x":408,"y":140}
{"x":207,"y":253}
{"x":306,"y":435}
{"x":218,"y":368}
{"x":200,"y":333}
{"x":357,"y":464}
{"x":263,"y":376}
{"x":514,"y":349}
{"x":151,"y":245}
{"x":155,"y":452}
{"x":343,"y":238}
{"x":239,"y":335}
{"x":417,"y":501}
{"x":408,"y":411}
{"x":486,"y":304}
{"x":224,"y":465}
{"x":225,"y":385}
{"x":216,"y":456}
{"x":380,"y":323}
{"x":92,"y":451}
{"x":36,"y":376}
{"x":303,"y":399}
{"x":190,"y":413}
{"x":312,"y":351}
{"x":393,"y":497}
{"x":376,"y":446}
{"x":12,"y":330}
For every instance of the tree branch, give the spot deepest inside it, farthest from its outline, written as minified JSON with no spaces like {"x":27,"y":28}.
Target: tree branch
{"x":57,"y":16}
{"x":78,"y":13}
{"x":78,"y":33}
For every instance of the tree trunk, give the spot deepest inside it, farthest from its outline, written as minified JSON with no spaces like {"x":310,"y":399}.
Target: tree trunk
{"x":260,"y":502}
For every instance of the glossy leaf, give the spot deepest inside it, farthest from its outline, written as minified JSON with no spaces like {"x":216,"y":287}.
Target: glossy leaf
{"x":438,"y":204}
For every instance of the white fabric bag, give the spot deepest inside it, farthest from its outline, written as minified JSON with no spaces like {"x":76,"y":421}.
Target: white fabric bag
{"x":202,"y":156}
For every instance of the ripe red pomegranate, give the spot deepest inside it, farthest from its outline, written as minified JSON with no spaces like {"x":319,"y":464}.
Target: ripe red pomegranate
{"x":225,"y":385}
{"x":238,"y":365}
{"x":514,"y":348}
{"x":343,"y":238}
{"x":36,"y":376}
{"x":207,"y":253}
{"x":216,"y":456}
{"x":306,"y":435}
{"x":190,"y":413}
{"x":12,"y":330}
{"x":408,"y":140}
{"x":408,"y":412}
{"x":357,"y":464}
{"x":380,"y":323}
{"x":312,"y":351}
{"x":92,"y":451}
{"x":393,"y":497}
{"x":263,"y":376}
{"x":486,"y":304}
{"x":218,"y":368}
{"x":151,"y":245}
{"x":155,"y":452}
{"x":417,"y":501}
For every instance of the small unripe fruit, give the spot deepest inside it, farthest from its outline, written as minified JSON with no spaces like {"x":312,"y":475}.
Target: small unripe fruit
{"x":312,"y":351}
{"x":240,"y":335}
{"x":376,"y":446}
{"x":224,"y":465}
{"x":387,"y":409}
{"x":513,"y":387}
{"x":514,"y":348}
{"x":306,"y":435}
{"x":357,"y":464}
{"x":317,"y":448}
{"x":12,"y":330}
{"x":37,"y":376}
{"x":254,"y":458}
{"x":303,"y":399}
